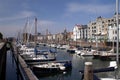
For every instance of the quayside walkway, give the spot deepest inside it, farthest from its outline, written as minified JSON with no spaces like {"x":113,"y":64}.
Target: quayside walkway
{"x":2,"y":61}
{"x":23,"y":70}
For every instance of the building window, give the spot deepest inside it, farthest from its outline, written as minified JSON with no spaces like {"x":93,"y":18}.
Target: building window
{"x":102,"y":26}
{"x":108,"y":20}
{"x":119,"y":21}
{"x":115,"y":38}
{"x":115,"y":32}
{"x":94,"y":27}
{"x":112,"y":20}
{"x":109,"y":24}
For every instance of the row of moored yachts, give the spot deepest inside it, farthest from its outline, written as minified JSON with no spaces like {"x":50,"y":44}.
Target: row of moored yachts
{"x":43,"y":61}
{"x":88,"y":51}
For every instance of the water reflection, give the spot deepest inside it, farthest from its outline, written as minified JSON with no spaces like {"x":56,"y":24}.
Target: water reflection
{"x":77,"y":64}
{"x":103,"y":64}
{"x":11,"y":69}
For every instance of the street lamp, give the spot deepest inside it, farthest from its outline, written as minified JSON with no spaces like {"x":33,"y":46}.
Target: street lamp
{"x":117,"y":22}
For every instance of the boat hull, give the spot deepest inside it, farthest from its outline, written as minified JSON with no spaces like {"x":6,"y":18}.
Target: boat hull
{"x":47,"y":70}
{"x":71,"y":51}
{"x":39,"y":60}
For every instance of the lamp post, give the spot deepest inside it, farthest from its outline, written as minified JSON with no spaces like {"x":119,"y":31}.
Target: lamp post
{"x":117,"y":23}
{"x":117,"y":4}
{"x":113,"y":37}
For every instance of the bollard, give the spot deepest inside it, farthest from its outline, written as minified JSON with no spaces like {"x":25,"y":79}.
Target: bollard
{"x":88,"y":72}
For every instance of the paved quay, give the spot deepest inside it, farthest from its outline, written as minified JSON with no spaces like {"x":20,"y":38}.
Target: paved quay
{"x":2,"y":61}
{"x":25,"y":71}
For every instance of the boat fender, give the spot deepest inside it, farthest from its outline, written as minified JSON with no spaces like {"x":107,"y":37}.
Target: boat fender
{"x":62,"y":68}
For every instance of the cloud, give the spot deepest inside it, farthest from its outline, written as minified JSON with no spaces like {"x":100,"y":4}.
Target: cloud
{"x":20,"y":15}
{"x":89,"y":8}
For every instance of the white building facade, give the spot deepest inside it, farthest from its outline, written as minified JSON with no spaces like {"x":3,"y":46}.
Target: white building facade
{"x":102,"y":28}
{"x":80,"y":32}
{"x":112,"y":33}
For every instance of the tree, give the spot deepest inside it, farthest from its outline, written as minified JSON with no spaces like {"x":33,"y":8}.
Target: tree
{"x":1,"y":35}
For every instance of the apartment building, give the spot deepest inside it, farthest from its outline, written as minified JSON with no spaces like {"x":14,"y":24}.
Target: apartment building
{"x":100,"y":29}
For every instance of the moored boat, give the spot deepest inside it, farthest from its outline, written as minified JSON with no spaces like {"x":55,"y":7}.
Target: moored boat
{"x":71,"y":49}
{"x":108,"y":56}
{"x":39,"y":58}
{"x":52,"y":67}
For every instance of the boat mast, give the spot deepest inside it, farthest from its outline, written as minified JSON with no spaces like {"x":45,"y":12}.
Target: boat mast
{"x":25,"y":32}
{"x":28,"y":34}
{"x":35,"y":38}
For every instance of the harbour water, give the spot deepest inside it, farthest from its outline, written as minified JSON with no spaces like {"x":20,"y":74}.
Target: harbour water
{"x":77,"y":64}
{"x":11,"y":68}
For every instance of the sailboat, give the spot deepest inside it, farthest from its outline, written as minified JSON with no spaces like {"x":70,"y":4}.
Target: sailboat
{"x":32,"y":55}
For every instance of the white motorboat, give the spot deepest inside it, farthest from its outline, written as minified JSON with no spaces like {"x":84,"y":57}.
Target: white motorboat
{"x":52,"y":67}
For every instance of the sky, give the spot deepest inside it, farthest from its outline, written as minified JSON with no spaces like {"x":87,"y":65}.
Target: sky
{"x":54,"y":15}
